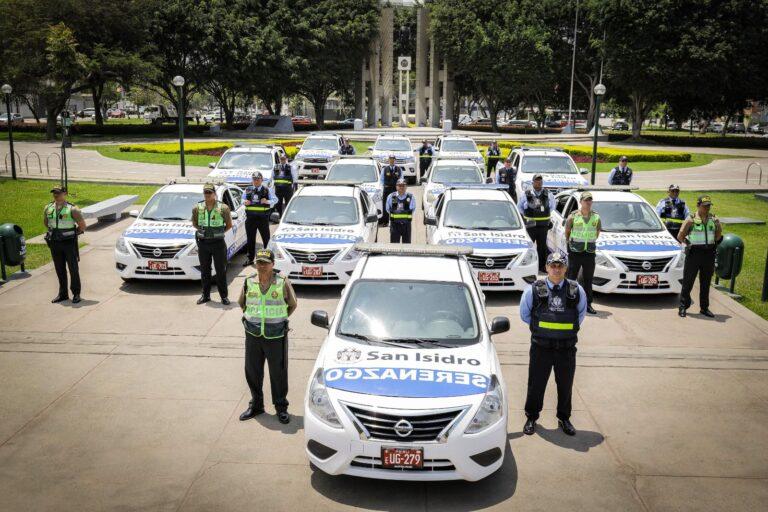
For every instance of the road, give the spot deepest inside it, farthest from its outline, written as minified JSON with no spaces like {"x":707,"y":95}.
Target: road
{"x":130,"y":401}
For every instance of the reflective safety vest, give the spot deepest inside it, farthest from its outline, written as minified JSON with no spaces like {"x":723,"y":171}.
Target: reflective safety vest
{"x":255,"y":197}
{"x":61,"y":224}
{"x":622,"y":177}
{"x":400,"y":210}
{"x":673,"y":212}
{"x":536,"y":210}
{"x":266,"y":314}
{"x":391,"y":175}
{"x":283,"y":177}
{"x":210,"y":222}
{"x":702,"y":233}
{"x":583,"y":233}
{"x":554,"y":315}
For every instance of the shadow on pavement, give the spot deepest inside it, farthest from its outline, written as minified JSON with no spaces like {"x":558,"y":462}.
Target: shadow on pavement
{"x":718,"y":318}
{"x":150,"y":287}
{"x":645,"y":302}
{"x":304,"y":291}
{"x":502,"y":299}
{"x":581,"y":442}
{"x":269,"y":421}
{"x":83,"y":303}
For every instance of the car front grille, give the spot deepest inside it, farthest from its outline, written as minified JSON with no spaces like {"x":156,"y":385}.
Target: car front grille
{"x":632,"y":285}
{"x":165,"y":253}
{"x":316,"y":160}
{"x":429,"y":465}
{"x":501,"y":282}
{"x":145,"y":271}
{"x":320,"y":257}
{"x":636,"y":265}
{"x":499,"y":262}
{"x":327,"y":276}
{"x":426,"y":427}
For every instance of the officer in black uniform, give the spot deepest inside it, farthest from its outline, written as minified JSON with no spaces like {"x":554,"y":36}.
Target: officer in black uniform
{"x":346,"y":147}
{"x":64,"y":222}
{"x":673,"y":210}
{"x":507,"y":176}
{"x":535,"y":205}
{"x":621,"y":174}
{"x":285,"y":184}
{"x":554,"y":309}
{"x":389,"y":177}
{"x":425,"y":157}
{"x":493,"y":155}
{"x":258,"y":200}
{"x":400,"y":207}
{"x":212,"y":219}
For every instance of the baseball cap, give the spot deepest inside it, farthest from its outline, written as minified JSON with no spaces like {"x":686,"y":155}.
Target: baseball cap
{"x":265,"y":255}
{"x":704,"y":200}
{"x":586,"y":195}
{"x":507,"y":160}
{"x":58,"y":190}
{"x":401,"y":181}
{"x":623,"y":159}
{"x":537,"y":177}
{"x":257,"y":175}
{"x":391,"y":155}
{"x":209,"y":187}
{"x":674,"y":187}
{"x":283,"y":156}
{"x":557,"y":257}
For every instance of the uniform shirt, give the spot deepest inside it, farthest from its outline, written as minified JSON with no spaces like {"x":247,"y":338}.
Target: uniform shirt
{"x":77,"y":216}
{"x":493,"y":151}
{"x":663,"y":204}
{"x":288,"y":293}
{"x":688,"y":224}
{"x":225,"y":214}
{"x":522,"y":204}
{"x":395,"y":194}
{"x":384,"y":170}
{"x":426,"y":150}
{"x":347,"y":150}
{"x":613,"y":173}
{"x":294,"y":175}
{"x":526,"y":302}
{"x":514,"y":175}
{"x":249,"y":191}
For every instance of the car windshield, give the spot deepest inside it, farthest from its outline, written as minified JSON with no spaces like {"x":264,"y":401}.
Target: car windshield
{"x":392,"y":145}
{"x":549,"y":164}
{"x":458,"y":145}
{"x":171,"y":206}
{"x":324,"y":144}
{"x":152,"y":109}
{"x":624,"y":216}
{"x":456,"y":174}
{"x":481,"y":214}
{"x":322,"y":211}
{"x":241,"y":160}
{"x":409,"y":311}
{"x":360,"y":173}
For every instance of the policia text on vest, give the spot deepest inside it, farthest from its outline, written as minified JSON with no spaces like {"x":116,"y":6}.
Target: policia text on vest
{"x":701,"y":232}
{"x":64,"y":222}
{"x":212,"y":219}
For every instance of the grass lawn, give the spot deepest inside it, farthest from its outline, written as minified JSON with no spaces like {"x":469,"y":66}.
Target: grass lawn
{"x":738,"y":204}
{"x":25,"y":200}
{"x":22,"y":136}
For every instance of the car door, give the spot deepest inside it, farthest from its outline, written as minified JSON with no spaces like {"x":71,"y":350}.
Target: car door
{"x":564,"y":204}
{"x":435,"y":211}
{"x":238,"y":224}
{"x":367,"y":207}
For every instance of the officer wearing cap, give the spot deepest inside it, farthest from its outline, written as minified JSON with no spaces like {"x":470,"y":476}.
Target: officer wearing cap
{"x":554,"y":309}
{"x":389,"y":177}
{"x":400,"y":207}
{"x":582,"y":228}
{"x":346,"y":148}
{"x":259,"y":200}
{"x":673,"y":210}
{"x":64,"y":222}
{"x":285,"y":181}
{"x":701,"y":232}
{"x":212,"y":219}
{"x":267,"y":300}
{"x":507,"y":176}
{"x":493,"y":155}
{"x":535,"y":206}
{"x":621,"y":174}
{"x":425,"y":156}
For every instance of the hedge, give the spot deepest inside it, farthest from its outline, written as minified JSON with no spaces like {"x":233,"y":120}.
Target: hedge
{"x":507,"y":129}
{"x":609,"y":154}
{"x":172,"y":148}
{"x":737,"y":142}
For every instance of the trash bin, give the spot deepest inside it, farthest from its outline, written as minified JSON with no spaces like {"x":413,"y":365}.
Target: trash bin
{"x":730,"y":254}
{"x":14,"y":247}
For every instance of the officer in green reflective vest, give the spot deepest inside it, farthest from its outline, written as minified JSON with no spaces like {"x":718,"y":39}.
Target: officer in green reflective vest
{"x":581,"y":230}
{"x":64,"y":222}
{"x":267,"y":300}
{"x":212,"y":219}
{"x":701,"y":232}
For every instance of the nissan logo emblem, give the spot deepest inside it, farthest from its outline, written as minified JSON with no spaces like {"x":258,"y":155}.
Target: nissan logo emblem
{"x":312,"y":256}
{"x":403,"y":428}
{"x":489,"y":263}
{"x":157,"y":252}
{"x":647,"y":265}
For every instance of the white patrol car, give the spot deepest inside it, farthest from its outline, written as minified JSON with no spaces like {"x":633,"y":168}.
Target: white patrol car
{"x":316,"y":155}
{"x":634,"y":253}
{"x":485,"y":218}
{"x":160,"y":244}
{"x":313,"y":243}
{"x":556,"y":167}
{"x":237,"y":164}
{"x":459,"y":147}
{"x":400,"y":146}
{"x":365,"y":171}
{"x":407,"y":384}
{"x":448,"y":171}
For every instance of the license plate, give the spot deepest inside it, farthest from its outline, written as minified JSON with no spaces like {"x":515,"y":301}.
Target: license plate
{"x":312,"y":271}
{"x":157,"y":265}
{"x":402,"y":458}
{"x":488,"y":277}
{"x":314,"y":170}
{"x":648,"y":280}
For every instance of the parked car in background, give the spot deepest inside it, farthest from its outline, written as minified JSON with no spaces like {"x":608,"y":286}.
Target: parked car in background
{"x":757,"y":128}
{"x":671,"y":125}
{"x":301,"y":120}
{"x":737,"y":128}
{"x":347,"y":123}
{"x":115,"y":113}
{"x":620,"y":125}
{"x":580,"y":125}
{"x":715,"y":128}
{"x":87,"y":113}
{"x":16,"y":119}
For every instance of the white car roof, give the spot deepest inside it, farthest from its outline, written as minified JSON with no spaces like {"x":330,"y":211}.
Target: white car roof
{"x":413,"y":268}
{"x":543,"y":152}
{"x":327,"y":190}
{"x":322,"y":136}
{"x":251,"y":149}
{"x":357,"y":161}
{"x":463,"y":137}
{"x":442,"y":162}
{"x":398,"y":137}
{"x":478,"y":193}
{"x":186,"y":187}
{"x":613,"y":195}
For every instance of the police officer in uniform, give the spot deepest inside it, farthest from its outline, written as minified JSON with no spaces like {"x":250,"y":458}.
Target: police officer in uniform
{"x":673,"y":210}
{"x":212,"y":219}
{"x":258,"y":200}
{"x":535,"y":206}
{"x":621,"y":174}
{"x":493,"y":155}
{"x":581,"y":230}
{"x":389,"y":178}
{"x":346,"y":147}
{"x":400,"y":207}
{"x":425,"y":157}
{"x":267,"y":300}
{"x":507,"y":176}
{"x":285,"y":181}
{"x":64,"y":222}
{"x":553,"y":308}
{"x":701,"y":232}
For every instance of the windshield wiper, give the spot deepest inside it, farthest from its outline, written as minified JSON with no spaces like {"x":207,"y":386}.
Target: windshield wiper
{"x":455,"y":226}
{"x":418,"y":341}
{"x":150,"y":218}
{"x":358,"y":336}
{"x":172,"y":218}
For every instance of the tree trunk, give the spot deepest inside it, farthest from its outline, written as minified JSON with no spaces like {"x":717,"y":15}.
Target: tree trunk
{"x":50,"y":124}
{"x":319,"y":106}
{"x":494,"y":112}
{"x":278,"y":106}
{"x":638,"y":115}
{"x":96,"y":93}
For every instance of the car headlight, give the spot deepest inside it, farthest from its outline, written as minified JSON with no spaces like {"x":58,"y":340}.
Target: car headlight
{"x":491,"y":409}
{"x":479,"y":159}
{"x":275,"y":250}
{"x":601,"y":260}
{"x":680,"y":260}
{"x":121,"y":246}
{"x":192,"y":249}
{"x":529,"y":257}
{"x":320,"y":403}
{"x":351,"y":254}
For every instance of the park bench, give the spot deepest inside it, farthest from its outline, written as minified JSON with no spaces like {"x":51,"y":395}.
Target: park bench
{"x":109,"y":209}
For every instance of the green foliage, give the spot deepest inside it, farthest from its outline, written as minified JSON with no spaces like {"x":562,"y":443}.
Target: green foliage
{"x":698,"y":140}
{"x":612,"y":154}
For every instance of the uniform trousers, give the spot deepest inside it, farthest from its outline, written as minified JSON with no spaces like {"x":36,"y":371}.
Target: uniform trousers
{"x":257,"y":350}
{"x":213,"y":252}
{"x":539,"y":236}
{"x":254,"y":223}
{"x":400,"y":232}
{"x":701,"y":262}
{"x":542,"y":360}
{"x":584,"y":261}
{"x":65,"y":254}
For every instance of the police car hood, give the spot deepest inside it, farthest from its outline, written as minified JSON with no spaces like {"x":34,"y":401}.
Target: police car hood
{"x":319,"y":237}
{"x":406,"y":372}
{"x":399,"y":155}
{"x":658,"y":242}
{"x":241,"y":175}
{"x":316,"y":153}
{"x":486,"y":241}
{"x":154,"y":231}
{"x":555,"y":180}
{"x":461,"y":155}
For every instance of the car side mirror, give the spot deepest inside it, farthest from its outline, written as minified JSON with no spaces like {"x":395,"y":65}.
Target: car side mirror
{"x":430,"y":221}
{"x":274,"y":218}
{"x":498,"y":325}
{"x":234,"y":215}
{"x":423,"y":179}
{"x":583,"y":170}
{"x":372,"y":217}
{"x":320,"y":319}
{"x":370,"y":148}
{"x":212,"y":165}
{"x":133,"y":213}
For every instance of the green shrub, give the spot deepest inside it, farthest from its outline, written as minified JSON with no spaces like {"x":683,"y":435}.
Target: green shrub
{"x":291,"y":147}
{"x":738,"y":142}
{"x":603,"y":153}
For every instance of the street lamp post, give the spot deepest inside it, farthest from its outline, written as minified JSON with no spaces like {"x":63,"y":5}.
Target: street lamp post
{"x":599,"y":92}
{"x":7,"y":90}
{"x":178,"y":81}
